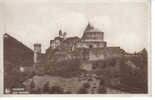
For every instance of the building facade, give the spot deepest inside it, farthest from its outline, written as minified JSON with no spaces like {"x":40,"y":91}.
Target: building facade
{"x":92,"y":38}
{"x":91,"y":46}
{"x":18,"y":62}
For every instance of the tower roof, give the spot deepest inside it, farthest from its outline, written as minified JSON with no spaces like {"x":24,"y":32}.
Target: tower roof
{"x":89,"y":31}
{"x":90,"y":28}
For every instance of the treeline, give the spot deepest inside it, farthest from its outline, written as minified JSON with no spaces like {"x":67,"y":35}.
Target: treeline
{"x":134,"y":72}
{"x":68,"y":68}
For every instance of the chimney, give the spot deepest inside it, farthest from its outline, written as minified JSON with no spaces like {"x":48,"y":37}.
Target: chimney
{"x":37,"y":51}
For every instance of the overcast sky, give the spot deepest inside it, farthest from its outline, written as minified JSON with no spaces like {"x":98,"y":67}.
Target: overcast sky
{"x":124,"y":23}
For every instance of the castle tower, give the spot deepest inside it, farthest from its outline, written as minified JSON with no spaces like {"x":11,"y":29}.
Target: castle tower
{"x":37,"y":51}
{"x":92,"y":34}
{"x":92,"y":38}
{"x":89,"y":27}
{"x":60,"y":34}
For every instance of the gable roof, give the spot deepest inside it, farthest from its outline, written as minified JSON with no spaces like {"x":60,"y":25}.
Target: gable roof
{"x":90,"y":28}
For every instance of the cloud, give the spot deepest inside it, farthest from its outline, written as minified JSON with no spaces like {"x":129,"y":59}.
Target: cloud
{"x":39,"y":21}
{"x":73,"y":23}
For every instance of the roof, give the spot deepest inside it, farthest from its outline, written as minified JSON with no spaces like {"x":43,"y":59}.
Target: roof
{"x":93,"y":30}
{"x":72,"y":39}
{"x":59,"y":38}
{"x":90,"y":28}
{"x":11,"y":39}
{"x":16,"y":52}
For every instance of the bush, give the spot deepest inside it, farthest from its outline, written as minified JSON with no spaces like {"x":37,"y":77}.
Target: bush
{"x":84,"y":88}
{"x":70,"y":68}
{"x":134,"y":79}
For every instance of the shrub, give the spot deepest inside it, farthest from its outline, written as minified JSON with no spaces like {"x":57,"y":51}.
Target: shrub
{"x":56,"y":90}
{"x":70,"y":68}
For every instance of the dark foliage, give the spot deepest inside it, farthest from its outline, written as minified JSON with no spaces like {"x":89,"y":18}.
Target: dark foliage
{"x":134,"y":80}
{"x":46,"y":88}
{"x":69,"y":68}
{"x":56,"y":90}
{"x":84,"y":88}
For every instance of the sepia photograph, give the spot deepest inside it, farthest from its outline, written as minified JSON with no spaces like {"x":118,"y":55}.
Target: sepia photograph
{"x":75,"y":47}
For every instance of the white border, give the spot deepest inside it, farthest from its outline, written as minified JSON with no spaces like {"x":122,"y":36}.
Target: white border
{"x":86,"y":95}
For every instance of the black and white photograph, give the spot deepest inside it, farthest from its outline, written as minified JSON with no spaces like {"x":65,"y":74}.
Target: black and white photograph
{"x":75,"y":47}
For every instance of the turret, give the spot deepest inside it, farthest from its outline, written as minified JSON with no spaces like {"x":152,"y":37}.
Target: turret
{"x":37,"y":51}
{"x":60,"y":34}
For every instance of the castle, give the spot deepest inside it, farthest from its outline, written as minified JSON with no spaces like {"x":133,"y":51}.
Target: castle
{"x":69,"y":58}
{"x":90,"y":47}
{"x":90,"y":51}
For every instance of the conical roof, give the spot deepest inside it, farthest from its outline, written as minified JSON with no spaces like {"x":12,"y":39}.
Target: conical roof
{"x":90,"y":28}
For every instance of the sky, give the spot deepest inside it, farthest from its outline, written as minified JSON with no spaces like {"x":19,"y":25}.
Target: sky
{"x":124,"y":22}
